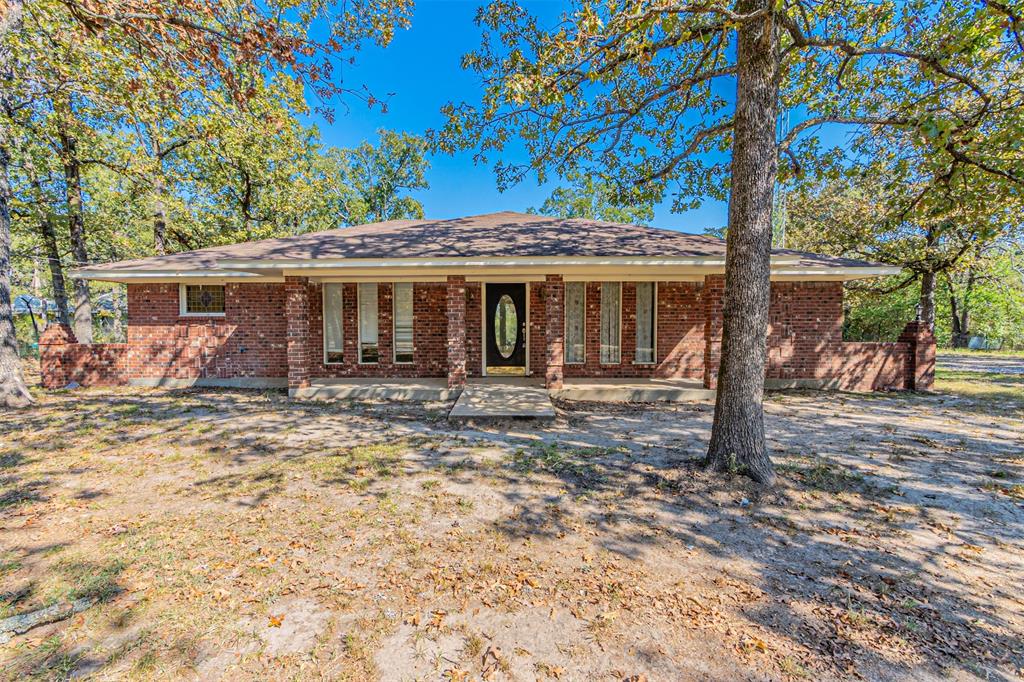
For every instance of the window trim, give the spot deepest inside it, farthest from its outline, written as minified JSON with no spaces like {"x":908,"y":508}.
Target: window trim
{"x":183,"y":300}
{"x":565,"y":322}
{"x":599,"y":326}
{"x":323,"y":321}
{"x":394,"y":324}
{"x":654,"y":328}
{"x":359,"y":326}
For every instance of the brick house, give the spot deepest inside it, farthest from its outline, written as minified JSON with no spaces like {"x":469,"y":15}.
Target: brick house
{"x":502,"y":294}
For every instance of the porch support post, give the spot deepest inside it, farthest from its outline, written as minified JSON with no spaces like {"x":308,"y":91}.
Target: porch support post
{"x":554,"y":306}
{"x":714,"y":290}
{"x":297,"y":314}
{"x":456,"y":331}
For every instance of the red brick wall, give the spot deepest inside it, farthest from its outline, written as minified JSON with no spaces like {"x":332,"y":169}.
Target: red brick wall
{"x":62,"y":360}
{"x":429,"y":334}
{"x":805,"y":341}
{"x":679,"y":336}
{"x":248,"y":341}
{"x":252,"y":338}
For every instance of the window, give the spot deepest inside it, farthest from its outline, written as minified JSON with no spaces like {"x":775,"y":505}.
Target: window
{"x":368,"y":322}
{"x":201,"y":299}
{"x":575,"y":321}
{"x":334,"y":350}
{"x":403,"y":322}
{"x":645,"y":297}
{"x":611,"y":295}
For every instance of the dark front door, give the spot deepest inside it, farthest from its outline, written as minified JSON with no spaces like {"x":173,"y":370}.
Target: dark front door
{"x":505,"y":328}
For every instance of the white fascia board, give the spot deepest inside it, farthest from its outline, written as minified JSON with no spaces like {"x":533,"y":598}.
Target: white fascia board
{"x":836,"y":273}
{"x":170,"y":275}
{"x":495,"y":262}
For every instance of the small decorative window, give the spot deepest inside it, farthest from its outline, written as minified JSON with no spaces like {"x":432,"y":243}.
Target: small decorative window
{"x":611,"y":319}
{"x":201,"y":299}
{"x":403,"y":322}
{"x":368,"y":352}
{"x":645,"y":334}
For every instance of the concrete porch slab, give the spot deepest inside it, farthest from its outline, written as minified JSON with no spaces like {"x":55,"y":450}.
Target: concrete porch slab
{"x":633,"y":390}
{"x":502,"y":400}
{"x":358,"y":388}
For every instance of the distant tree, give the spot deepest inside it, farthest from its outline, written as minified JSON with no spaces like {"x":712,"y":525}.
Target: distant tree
{"x":594,"y":199}
{"x":381,"y":176}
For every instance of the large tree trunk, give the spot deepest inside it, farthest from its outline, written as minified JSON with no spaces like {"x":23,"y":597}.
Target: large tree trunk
{"x":13,"y":392}
{"x":76,"y":227}
{"x":956,"y":336}
{"x":60,"y":294}
{"x":927,"y":301}
{"x":737,"y":435}
{"x":49,"y":236}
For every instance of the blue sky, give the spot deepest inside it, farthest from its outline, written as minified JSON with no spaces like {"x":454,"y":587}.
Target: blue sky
{"x":421,"y":70}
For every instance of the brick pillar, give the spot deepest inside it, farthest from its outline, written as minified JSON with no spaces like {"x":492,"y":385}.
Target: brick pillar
{"x":297,"y":314}
{"x":714,"y":289}
{"x":921,"y":356}
{"x":54,"y":343}
{"x":456,"y":331}
{"x":554,"y":306}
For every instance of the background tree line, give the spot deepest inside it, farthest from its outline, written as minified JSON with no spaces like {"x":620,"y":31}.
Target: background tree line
{"x":117,"y":153}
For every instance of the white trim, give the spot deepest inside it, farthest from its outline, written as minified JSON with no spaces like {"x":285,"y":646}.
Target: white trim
{"x":484,"y":330}
{"x":663,"y":277}
{"x":505,"y":279}
{"x":481,"y":261}
{"x":565,"y":326}
{"x":156,"y":276}
{"x":385,"y":279}
{"x":526,"y":341}
{"x":183,"y":301}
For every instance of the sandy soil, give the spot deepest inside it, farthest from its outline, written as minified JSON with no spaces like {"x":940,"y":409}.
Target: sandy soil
{"x":229,"y":535}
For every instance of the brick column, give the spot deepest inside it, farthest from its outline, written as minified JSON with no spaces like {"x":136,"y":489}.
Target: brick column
{"x":54,"y":342}
{"x":456,"y":331}
{"x":554,"y":306}
{"x":921,"y":356}
{"x":714,"y":289}
{"x":297,"y":314}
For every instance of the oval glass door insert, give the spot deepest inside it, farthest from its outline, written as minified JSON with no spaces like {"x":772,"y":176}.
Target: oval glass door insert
{"x":506,"y":326}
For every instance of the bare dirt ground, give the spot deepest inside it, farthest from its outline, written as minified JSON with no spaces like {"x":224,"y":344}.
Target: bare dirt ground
{"x":963,"y":361}
{"x":233,"y":535}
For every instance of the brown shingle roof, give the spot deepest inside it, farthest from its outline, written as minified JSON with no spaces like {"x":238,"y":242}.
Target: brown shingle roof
{"x":504,"y":234}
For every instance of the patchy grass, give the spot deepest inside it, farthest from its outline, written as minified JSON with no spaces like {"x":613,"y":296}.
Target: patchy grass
{"x":1001,"y":392}
{"x":234,"y":534}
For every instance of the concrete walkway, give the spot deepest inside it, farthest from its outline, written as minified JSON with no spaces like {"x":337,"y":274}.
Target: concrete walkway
{"x":502,"y":400}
